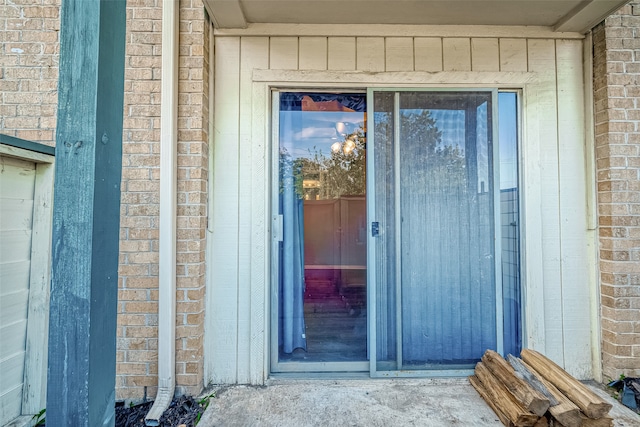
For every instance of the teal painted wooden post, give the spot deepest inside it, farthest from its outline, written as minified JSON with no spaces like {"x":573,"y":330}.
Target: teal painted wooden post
{"x":82,"y":322}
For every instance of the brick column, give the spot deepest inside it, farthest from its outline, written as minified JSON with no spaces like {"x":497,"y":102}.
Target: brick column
{"x":617,"y":119}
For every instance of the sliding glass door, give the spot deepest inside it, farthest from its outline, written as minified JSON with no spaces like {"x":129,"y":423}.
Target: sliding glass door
{"x":395,"y":237}
{"x":435,"y":247}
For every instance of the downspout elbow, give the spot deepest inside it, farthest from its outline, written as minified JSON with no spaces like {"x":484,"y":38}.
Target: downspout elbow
{"x":162,"y":402}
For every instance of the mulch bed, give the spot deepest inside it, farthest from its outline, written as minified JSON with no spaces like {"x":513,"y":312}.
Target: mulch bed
{"x":182,"y":410}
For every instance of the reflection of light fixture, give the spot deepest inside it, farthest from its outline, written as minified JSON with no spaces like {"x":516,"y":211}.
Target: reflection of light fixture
{"x":346,"y":147}
{"x":349,"y":145}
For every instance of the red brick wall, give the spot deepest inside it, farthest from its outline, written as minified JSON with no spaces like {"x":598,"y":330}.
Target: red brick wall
{"x":617,"y":120}
{"x":138,"y":293}
{"x":29,"y":48}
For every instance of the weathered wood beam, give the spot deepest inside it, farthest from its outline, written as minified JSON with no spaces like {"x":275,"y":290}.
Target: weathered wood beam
{"x":504,"y":400}
{"x":530,"y":398}
{"x":82,"y":323}
{"x":483,"y":392}
{"x":590,"y":403}
{"x":565,"y":412}
{"x":518,"y":366}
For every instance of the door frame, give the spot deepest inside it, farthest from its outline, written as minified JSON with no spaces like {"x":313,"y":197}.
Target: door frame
{"x":276,"y":367}
{"x":532,"y":87}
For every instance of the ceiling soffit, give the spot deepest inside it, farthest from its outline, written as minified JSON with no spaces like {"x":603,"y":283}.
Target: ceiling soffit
{"x":558,"y":15}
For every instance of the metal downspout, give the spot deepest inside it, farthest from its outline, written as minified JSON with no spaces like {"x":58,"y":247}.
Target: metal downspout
{"x":168,"y":213}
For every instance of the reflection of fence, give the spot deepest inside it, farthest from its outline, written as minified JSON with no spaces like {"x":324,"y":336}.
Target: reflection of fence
{"x":509,"y":218}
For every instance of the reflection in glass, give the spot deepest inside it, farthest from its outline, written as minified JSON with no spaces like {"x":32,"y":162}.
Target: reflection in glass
{"x":509,"y":220}
{"x":435,"y":258}
{"x":322,"y":269}
{"x":447,"y":230}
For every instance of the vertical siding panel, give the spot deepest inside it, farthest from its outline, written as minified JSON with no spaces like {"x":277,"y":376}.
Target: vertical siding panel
{"x":254,"y":53}
{"x":485,"y":55}
{"x":35,"y":364}
{"x":573,"y":220}
{"x":399,"y":54}
{"x":456,"y":54}
{"x":542,"y":61}
{"x":283,"y":53}
{"x":428,"y":53}
{"x":342,"y":53}
{"x":260,"y":238}
{"x":313,"y":53}
{"x":513,"y":55}
{"x":224,"y":268}
{"x":370,"y":54}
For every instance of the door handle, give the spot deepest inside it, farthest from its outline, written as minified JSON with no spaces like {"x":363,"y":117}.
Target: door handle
{"x":375,"y":229}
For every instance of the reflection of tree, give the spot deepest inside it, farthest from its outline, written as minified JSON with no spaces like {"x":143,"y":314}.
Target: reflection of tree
{"x":345,"y":172}
{"x":434,"y":165}
{"x":342,"y":173}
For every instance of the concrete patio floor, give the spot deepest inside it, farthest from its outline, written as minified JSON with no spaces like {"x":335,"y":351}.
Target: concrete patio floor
{"x":362,"y":402}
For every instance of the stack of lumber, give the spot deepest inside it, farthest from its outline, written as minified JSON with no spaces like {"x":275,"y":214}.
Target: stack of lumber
{"x":534,"y":391}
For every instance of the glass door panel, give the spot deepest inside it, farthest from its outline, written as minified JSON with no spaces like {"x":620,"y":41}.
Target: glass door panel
{"x":321,"y":252}
{"x":437,"y":300}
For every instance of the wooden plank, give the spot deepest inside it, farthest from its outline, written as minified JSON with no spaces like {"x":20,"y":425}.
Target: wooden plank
{"x":13,"y":305}
{"x":428,"y":53}
{"x":283,"y":53}
{"x":564,"y":411}
{"x":456,"y":54}
{"x":482,"y":391}
{"x":485,"y":54}
{"x":18,"y":178}
{"x":254,"y":54}
{"x":20,"y":243}
{"x":13,"y":335}
{"x":16,"y":214}
{"x":10,"y":405}
{"x":394,"y":30}
{"x":521,"y":370}
{"x":370,"y":54}
{"x":590,"y":403}
{"x":545,"y":203}
{"x":328,"y":78}
{"x":12,"y":371}
{"x":224,"y":267}
{"x":84,"y":282}
{"x":530,"y":398}
{"x":13,"y":273}
{"x":605,"y":421}
{"x":21,"y":153}
{"x":313,"y":53}
{"x":30,"y":146}
{"x":35,"y":371}
{"x":341,"y":53}
{"x":514,"y":411}
{"x":260,"y":236}
{"x":542,"y":422}
{"x":399,"y":54}
{"x":513,"y":54}
{"x":575,"y":245}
